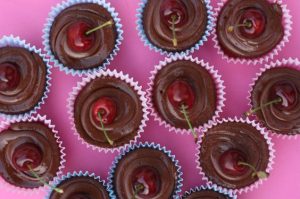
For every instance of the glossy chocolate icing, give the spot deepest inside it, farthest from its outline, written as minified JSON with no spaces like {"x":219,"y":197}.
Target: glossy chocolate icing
{"x":81,"y":188}
{"x":39,"y":135}
{"x":206,"y":194}
{"x":202,"y":84}
{"x":160,"y":34}
{"x":238,"y":136}
{"x":235,"y":44}
{"x":278,"y":119}
{"x":105,"y":38}
{"x":31,"y":87}
{"x":129,"y":112}
{"x":142,"y":157}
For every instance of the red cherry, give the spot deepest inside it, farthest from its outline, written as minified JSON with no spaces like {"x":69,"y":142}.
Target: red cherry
{"x":288,"y":94}
{"x":229,"y":162}
{"x":27,"y":155}
{"x":148,"y":178}
{"x":77,"y":39}
{"x":181,"y":93}
{"x":170,"y":8}
{"x":9,"y":76}
{"x":80,"y":196}
{"x":107,"y":108}
{"x":255,"y":22}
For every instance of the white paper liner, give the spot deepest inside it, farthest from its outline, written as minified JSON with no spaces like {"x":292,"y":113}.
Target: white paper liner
{"x":152,"y":145}
{"x":108,"y":73}
{"x":47,"y":30}
{"x":293,"y":63}
{"x":147,"y":42}
{"x":219,"y":83}
{"x":286,"y":21}
{"x":33,"y":191}
{"x":253,"y":123}
{"x":18,"y":42}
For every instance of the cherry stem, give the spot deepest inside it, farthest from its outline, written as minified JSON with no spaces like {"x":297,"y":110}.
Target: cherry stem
{"x":108,"y":23}
{"x":246,"y":24}
{"x":174,"y":40}
{"x":137,"y":188}
{"x":184,"y":111}
{"x":104,"y":131}
{"x":251,"y":111}
{"x":259,"y":174}
{"x":60,"y":191}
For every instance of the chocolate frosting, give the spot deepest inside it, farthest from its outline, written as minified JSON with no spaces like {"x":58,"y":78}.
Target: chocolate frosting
{"x":35,"y":133}
{"x":129,"y":112}
{"x":26,"y":95}
{"x":202,"y":84}
{"x":160,"y":34}
{"x":238,"y":136}
{"x":86,"y":187}
{"x":105,"y":38}
{"x":235,"y":44}
{"x":285,"y":121}
{"x":144,"y":157}
{"x":206,"y":194}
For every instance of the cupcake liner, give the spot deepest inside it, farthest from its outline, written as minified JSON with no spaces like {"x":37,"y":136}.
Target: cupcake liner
{"x":229,"y":193}
{"x":152,"y":145}
{"x":69,"y":175}
{"x":287,"y":22}
{"x":253,"y":123}
{"x":108,"y":73}
{"x":146,"y":41}
{"x":28,"y":191}
{"x":18,"y":42}
{"x":47,"y":29}
{"x":214,"y":73}
{"x":293,"y":63}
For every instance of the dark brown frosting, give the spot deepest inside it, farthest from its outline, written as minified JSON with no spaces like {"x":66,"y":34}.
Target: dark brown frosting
{"x":29,"y":91}
{"x":202,"y":84}
{"x":105,"y":39}
{"x":235,"y":44}
{"x":285,"y":121}
{"x":238,"y":136}
{"x":160,"y":34}
{"x":86,"y":187}
{"x":129,"y":112}
{"x":142,"y":157}
{"x":35,"y":133}
{"x":206,"y":194}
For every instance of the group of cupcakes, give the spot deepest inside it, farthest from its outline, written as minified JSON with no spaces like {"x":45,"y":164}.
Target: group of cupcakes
{"x":108,"y":109}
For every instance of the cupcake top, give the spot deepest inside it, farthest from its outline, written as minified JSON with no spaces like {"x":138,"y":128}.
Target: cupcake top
{"x":72,"y":41}
{"x":22,"y":80}
{"x":206,"y":194}
{"x":234,"y":154}
{"x":280,"y":88}
{"x":175,"y":25}
{"x":28,"y":149}
{"x":249,"y":29}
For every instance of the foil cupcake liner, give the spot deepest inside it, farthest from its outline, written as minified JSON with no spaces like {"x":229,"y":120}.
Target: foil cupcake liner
{"x":286,"y":20}
{"x":47,"y":30}
{"x":229,"y":193}
{"x":28,"y":191}
{"x":293,"y":63}
{"x":256,"y":125}
{"x":219,"y":90}
{"x":108,"y":73}
{"x":152,"y":145}
{"x":59,"y":180}
{"x":18,"y":42}
{"x":147,"y":42}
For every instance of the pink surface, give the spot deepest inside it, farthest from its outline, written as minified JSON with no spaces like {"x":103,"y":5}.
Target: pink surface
{"x":26,"y":19}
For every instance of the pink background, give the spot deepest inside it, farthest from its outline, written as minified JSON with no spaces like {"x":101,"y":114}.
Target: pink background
{"x":26,"y":18}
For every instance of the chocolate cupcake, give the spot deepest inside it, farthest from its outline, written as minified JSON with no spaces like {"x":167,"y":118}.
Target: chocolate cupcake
{"x":208,"y":192}
{"x":145,"y":171}
{"x":235,"y":153}
{"x":31,"y":153}
{"x":275,"y":97}
{"x":251,"y":31}
{"x":24,"y":78}
{"x":82,"y":36}
{"x":171,"y":26}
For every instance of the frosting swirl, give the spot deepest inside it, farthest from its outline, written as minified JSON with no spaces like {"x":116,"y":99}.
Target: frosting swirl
{"x":206,"y":194}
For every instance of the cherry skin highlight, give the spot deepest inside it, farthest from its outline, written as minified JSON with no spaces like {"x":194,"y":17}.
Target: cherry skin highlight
{"x":229,"y":163}
{"x":173,"y":8}
{"x":107,"y":108}
{"x":255,"y":23}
